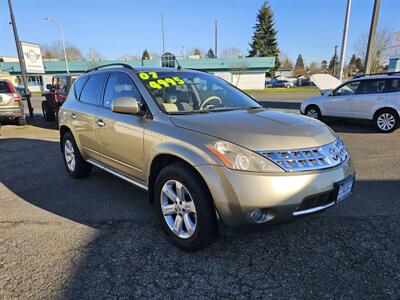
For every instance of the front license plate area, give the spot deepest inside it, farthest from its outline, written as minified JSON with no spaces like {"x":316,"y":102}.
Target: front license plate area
{"x":344,"y":188}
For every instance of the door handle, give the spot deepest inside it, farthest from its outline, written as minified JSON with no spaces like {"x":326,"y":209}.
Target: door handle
{"x":73,"y":116}
{"x":100,"y":123}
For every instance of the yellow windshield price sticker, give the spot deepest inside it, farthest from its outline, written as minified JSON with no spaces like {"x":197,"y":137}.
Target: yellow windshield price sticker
{"x":148,"y":75}
{"x":165,"y":82}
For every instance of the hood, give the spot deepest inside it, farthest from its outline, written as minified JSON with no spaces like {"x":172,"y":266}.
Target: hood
{"x":325,"y":82}
{"x":259,"y":129}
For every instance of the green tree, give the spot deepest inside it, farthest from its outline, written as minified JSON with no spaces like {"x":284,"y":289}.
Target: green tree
{"x":334,"y":64}
{"x":299,"y":62}
{"x":210,"y":53}
{"x":145,"y":55}
{"x":264,"y":41}
{"x":359,"y":65}
{"x":352,"y":67}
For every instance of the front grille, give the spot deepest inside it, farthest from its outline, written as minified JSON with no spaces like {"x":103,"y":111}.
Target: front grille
{"x":307,"y":159}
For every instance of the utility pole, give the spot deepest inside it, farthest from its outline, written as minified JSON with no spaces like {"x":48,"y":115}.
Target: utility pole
{"x":216,"y":39}
{"x":371,"y":39}
{"x":21,"y":59}
{"x":334,"y":62}
{"x":162,"y":32}
{"x":344,"y":41}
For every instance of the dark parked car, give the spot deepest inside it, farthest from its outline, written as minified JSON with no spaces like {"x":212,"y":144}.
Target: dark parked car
{"x":11,"y":106}
{"x":56,"y":95}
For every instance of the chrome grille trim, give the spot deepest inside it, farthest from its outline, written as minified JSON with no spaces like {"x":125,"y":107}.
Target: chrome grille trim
{"x":308,"y":159}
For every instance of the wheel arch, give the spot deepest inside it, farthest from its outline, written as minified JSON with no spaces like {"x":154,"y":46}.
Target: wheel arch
{"x":163,"y":160}
{"x":385,"y":108}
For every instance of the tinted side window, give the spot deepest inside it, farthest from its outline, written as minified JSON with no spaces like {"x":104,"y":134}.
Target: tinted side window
{"x":394,"y":85}
{"x":78,"y":85}
{"x":120,"y":85}
{"x":372,"y":87}
{"x":4,"y":88}
{"x":91,"y":92}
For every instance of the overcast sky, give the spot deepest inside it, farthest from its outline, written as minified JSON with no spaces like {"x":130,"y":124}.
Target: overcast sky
{"x":115,"y":28}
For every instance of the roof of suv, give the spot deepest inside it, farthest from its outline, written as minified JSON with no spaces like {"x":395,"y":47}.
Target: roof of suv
{"x":388,"y":75}
{"x":137,"y":69}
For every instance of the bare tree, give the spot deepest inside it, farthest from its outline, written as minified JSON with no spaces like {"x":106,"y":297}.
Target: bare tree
{"x":380,"y":54}
{"x":93,"y":54}
{"x":238,"y":70}
{"x":55,"y":51}
{"x":129,"y":57}
{"x":232,"y":52}
{"x":314,"y":68}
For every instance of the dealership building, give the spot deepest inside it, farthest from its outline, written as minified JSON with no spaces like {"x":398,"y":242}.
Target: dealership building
{"x":245,"y":72}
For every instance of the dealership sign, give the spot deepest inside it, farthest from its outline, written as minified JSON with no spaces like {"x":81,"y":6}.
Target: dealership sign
{"x":33,"y":58}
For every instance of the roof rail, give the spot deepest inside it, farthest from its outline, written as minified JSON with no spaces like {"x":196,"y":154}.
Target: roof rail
{"x":377,"y":74}
{"x":111,"y":65}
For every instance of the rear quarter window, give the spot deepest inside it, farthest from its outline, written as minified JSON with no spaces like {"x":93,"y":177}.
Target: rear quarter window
{"x":78,"y":85}
{"x":394,"y":85}
{"x":91,"y":92}
{"x":4,"y":87}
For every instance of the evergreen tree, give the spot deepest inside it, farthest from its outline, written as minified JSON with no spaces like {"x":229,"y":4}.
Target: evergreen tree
{"x":359,"y":65}
{"x":210,"y":53}
{"x":352,"y":67}
{"x":146,"y":55}
{"x":299,"y":62}
{"x":324,"y":66}
{"x":264,"y":42}
{"x":334,"y":64}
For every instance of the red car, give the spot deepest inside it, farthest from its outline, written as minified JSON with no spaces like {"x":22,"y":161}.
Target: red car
{"x":56,"y":95}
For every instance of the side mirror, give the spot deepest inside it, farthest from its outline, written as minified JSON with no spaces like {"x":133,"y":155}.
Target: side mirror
{"x":49,"y":86}
{"x":125,"y":105}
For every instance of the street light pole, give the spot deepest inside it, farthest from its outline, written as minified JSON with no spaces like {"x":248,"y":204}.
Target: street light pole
{"x":21,"y":59}
{"x":62,"y":40}
{"x":344,"y":41}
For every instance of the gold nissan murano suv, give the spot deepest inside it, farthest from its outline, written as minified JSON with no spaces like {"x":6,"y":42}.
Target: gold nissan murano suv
{"x":209,"y":155}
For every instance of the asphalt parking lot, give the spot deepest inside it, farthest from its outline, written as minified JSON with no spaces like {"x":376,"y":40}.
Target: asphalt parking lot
{"x":99,"y":238}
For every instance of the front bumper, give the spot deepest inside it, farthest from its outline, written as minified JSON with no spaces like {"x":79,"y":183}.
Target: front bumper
{"x":236,"y":194}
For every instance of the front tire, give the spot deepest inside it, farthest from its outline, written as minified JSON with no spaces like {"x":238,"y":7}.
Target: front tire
{"x":313,"y":111}
{"x":75,"y":165}
{"x":185,"y":208}
{"x":386,"y":120}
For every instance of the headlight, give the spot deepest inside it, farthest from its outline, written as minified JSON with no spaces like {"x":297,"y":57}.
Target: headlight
{"x":238,"y":158}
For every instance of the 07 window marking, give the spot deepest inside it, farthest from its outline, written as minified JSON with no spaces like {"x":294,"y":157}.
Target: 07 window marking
{"x":160,"y":83}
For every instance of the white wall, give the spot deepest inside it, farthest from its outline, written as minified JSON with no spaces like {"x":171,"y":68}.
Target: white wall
{"x":244,"y":81}
{"x":249,"y":81}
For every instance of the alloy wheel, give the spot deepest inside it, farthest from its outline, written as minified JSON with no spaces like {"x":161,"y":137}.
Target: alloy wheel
{"x":313,"y":113}
{"x":178,"y":209}
{"x":69,"y":155}
{"x":386,"y":122}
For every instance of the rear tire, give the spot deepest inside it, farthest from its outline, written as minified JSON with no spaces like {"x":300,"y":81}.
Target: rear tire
{"x":21,"y":121}
{"x":386,"y":120}
{"x":313,"y":111}
{"x":74,"y":163}
{"x":198,"y":227}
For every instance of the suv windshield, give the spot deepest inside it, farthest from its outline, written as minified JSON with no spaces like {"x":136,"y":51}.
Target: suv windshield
{"x":190,"y":92}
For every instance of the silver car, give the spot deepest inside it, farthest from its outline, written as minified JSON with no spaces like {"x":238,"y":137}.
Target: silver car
{"x":11,"y":106}
{"x":374,"y":98}
{"x":208,"y":154}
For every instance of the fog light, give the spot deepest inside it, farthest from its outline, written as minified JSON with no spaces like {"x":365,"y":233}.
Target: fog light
{"x":259,"y":215}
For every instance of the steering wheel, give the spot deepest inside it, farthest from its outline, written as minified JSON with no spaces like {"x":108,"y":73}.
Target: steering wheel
{"x":203,"y":105}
